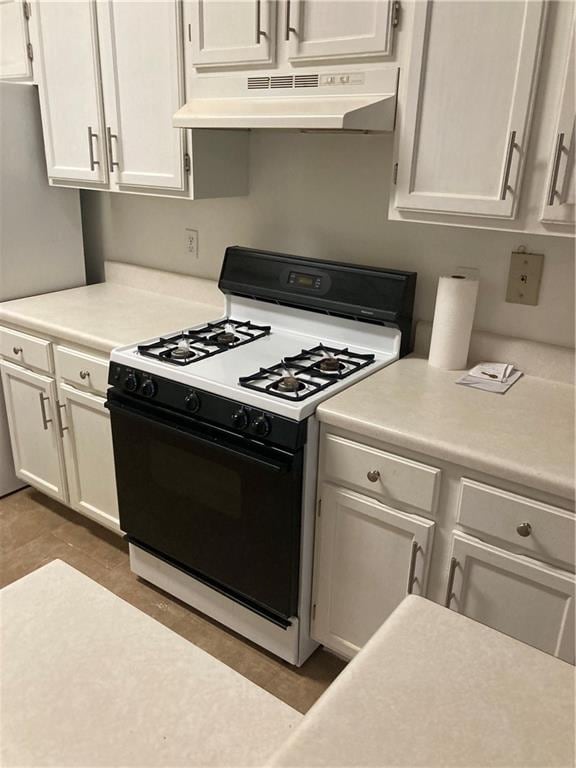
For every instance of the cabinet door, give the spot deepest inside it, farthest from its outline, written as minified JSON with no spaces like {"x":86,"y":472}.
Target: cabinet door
{"x":143,"y":87}
{"x":559,"y":205}
{"x":465,"y":123}
{"x":68,"y":74}
{"x":516,"y":595}
{"x":31,"y":406}
{"x":327,"y":29}
{"x":224,"y":33}
{"x":89,"y":456}
{"x":14,"y":60}
{"x":368,"y":558}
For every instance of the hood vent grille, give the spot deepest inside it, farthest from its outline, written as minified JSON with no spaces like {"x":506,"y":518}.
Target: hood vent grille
{"x":306,"y":81}
{"x":283,"y":81}
{"x":255,"y":83}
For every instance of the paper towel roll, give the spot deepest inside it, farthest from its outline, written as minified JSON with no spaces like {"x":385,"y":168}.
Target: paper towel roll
{"x":453,"y":318}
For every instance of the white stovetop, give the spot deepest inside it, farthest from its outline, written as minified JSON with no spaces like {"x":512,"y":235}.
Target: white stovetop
{"x":292,"y":331}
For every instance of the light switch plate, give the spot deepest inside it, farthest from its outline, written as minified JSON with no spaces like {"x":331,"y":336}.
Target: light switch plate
{"x":524,"y":277}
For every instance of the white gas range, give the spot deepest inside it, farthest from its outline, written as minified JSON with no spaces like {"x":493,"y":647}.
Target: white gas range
{"x":216,"y":442}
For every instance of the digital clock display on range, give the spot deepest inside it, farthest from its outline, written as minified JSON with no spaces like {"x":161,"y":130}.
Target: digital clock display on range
{"x":304,"y":280}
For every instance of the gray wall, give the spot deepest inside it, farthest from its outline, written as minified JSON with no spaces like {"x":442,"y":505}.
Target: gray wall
{"x":326,"y":196}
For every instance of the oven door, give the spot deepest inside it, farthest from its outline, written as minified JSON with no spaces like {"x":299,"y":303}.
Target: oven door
{"x":224,"y":509}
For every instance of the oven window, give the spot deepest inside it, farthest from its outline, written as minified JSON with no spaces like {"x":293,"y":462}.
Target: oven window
{"x":228,"y":515}
{"x":171,"y":470}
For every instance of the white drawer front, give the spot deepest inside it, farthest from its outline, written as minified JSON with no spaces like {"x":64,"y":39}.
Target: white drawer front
{"x":81,"y":370}
{"x":548,"y":532}
{"x":29,"y":351}
{"x":390,"y":478}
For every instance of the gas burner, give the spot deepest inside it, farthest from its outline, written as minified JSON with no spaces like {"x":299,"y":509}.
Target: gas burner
{"x":303,"y":375}
{"x":289,"y":384}
{"x":329,"y":365}
{"x":197,"y":343}
{"x":182,"y":351}
{"x":226,"y":338}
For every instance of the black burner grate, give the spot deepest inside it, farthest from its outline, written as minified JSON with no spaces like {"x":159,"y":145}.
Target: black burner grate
{"x":211,"y":339}
{"x":306,"y":369}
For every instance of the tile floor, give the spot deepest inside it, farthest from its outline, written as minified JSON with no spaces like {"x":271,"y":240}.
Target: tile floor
{"x":35,"y":529}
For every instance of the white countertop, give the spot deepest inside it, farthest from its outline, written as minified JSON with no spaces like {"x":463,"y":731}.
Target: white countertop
{"x":434,"y":688}
{"x":525,"y":436}
{"x":105,"y":315}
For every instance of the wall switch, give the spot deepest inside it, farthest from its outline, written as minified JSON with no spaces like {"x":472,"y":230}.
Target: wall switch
{"x":192,"y":242}
{"x":524,"y":277}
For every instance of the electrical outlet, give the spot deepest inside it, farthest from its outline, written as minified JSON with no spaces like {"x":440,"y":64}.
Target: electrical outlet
{"x":524,"y":277}
{"x":192,"y":242}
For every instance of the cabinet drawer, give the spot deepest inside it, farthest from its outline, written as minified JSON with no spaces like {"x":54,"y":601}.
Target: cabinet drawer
{"x":81,"y":370}
{"x":548,"y":531}
{"x":388,"y":477}
{"x":29,"y":351}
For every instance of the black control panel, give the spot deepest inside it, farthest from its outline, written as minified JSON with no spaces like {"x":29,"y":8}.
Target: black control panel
{"x":253,"y":423}
{"x":368,"y":294}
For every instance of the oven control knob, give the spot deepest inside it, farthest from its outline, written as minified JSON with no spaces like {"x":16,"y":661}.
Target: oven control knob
{"x":261,"y":426}
{"x":131,"y":382}
{"x":192,"y":402}
{"x":149,"y":388}
{"x":240,"y":419}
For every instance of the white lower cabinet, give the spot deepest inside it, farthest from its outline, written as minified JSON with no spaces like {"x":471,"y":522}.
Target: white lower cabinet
{"x":514,"y":594}
{"x":87,"y":440}
{"x":368,"y":557}
{"x":33,"y":419}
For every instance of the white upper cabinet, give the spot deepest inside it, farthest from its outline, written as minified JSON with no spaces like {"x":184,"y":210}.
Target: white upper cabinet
{"x":225,"y":33}
{"x":465,"y":122}
{"x":15,"y":63}
{"x":68,"y":73}
{"x":143,"y":86}
{"x":559,"y":204}
{"x":333,"y":29}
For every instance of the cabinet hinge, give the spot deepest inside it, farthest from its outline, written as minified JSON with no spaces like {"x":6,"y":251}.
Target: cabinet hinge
{"x":30,"y":51}
{"x":27,"y":9}
{"x":396,"y":12}
{"x":187,"y":163}
{"x":314,"y":612}
{"x":395,"y":175}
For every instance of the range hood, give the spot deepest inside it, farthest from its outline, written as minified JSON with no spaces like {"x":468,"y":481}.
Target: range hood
{"x":353,"y":101}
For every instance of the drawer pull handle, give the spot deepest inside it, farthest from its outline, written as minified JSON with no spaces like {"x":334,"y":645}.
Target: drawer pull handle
{"x":17,"y":350}
{"x":84,"y":374}
{"x":45,"y":419}
{"x":524,"y":529}
{"x":450,"y":586}
{"x":373,"y":475}
{"x":412,"y":568}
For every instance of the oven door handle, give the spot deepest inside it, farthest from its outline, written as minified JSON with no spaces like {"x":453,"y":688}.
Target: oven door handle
{"x":273,"y":466}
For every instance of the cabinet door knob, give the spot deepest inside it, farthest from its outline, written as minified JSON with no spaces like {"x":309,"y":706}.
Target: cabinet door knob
{"x":17,"y":350}
{"x":524,"y":529}
{"x":373,"y":475}
{"x":84,"y":374}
